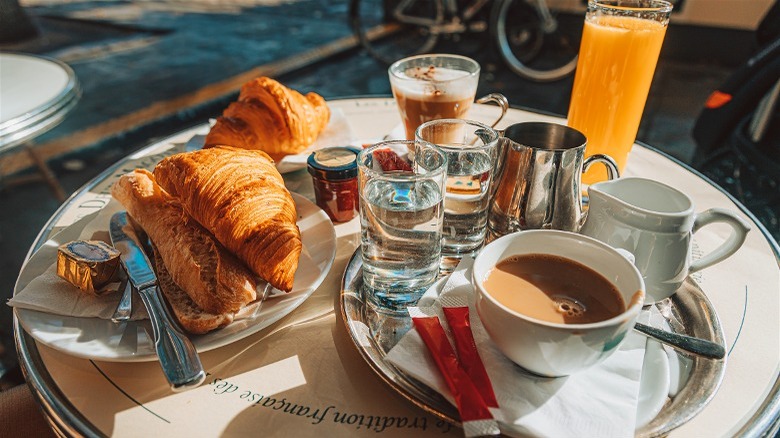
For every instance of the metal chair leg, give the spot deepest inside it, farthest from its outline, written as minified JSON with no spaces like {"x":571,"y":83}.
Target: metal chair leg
{"x":44,"y":173}
{"x":47,"y":174}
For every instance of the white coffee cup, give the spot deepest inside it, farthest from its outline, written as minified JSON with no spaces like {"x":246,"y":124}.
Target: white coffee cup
{"x":557,"y":349}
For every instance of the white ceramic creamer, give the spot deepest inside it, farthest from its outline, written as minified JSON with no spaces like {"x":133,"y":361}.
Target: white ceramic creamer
{"x":655,"y":222}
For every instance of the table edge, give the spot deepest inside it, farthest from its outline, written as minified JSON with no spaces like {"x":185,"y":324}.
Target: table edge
{"x":47,"y":115}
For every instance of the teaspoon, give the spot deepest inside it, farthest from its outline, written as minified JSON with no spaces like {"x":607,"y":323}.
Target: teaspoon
{"x":688,"y":344}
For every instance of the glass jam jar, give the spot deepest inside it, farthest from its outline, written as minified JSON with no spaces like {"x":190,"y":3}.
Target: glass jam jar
{"x":334,"y":174}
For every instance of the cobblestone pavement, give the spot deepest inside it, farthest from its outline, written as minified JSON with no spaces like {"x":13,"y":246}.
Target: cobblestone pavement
{"x":150,"y":68}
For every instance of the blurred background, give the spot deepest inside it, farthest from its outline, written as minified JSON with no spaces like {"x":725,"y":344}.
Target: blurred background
{"x":148,"y":69}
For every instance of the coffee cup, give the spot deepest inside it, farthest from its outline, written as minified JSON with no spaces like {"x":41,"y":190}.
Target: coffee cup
{"x":538,"y":321}
{"x":437,"y":86}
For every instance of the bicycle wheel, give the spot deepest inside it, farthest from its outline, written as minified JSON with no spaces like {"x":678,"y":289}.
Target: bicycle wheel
{"x":530,"y":51}
{"x":391,"y":30}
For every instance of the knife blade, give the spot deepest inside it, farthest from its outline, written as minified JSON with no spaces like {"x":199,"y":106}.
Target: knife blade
{"x":179,"y":360}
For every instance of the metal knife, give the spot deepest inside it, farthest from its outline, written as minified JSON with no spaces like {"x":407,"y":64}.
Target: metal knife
{"x":178,"y":358}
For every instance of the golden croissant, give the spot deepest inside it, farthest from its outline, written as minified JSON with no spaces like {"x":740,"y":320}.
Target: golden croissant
{"x":212,"y":277}
{"x":270,"y":117}
{"x":240,"y":197}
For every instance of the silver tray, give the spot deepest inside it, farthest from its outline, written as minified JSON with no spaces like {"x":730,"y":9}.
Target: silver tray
{"x":688,"y":311}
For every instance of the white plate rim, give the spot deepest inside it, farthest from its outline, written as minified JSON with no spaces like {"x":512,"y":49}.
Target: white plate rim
{"x":273,"y":310}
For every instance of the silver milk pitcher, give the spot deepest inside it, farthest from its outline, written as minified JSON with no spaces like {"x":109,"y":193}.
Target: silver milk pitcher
{"x":536,"y":184}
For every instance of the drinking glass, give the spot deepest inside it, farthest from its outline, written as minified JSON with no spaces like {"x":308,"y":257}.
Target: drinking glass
{"x":621,"y":41}
{"x":471,"y":149}
{"x":401,"y":185}
{"x":438,"y":86}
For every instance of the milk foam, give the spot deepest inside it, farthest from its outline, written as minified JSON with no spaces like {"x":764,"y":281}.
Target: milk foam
{"x":425,"y":81}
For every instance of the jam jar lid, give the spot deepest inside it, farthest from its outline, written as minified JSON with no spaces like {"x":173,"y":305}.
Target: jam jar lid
{"x":334,"y":163}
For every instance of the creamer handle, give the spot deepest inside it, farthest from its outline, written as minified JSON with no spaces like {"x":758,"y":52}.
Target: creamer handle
{"x":739,"y":230}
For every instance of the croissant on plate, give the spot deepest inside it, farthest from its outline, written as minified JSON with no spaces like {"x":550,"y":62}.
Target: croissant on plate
{"x":240,"y":197}
{"x":213,"y":278}
{"x":270,"y":117}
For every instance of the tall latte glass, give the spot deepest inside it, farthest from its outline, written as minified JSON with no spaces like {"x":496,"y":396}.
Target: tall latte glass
{"x":621,"y":41}
{"x":401,"y":185}
{"x":428,"y":87}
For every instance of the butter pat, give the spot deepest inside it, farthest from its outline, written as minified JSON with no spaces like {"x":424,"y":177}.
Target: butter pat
{"x":90,"y":265}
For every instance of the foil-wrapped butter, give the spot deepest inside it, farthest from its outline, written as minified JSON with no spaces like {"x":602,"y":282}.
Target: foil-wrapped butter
{"x":90,"y":265}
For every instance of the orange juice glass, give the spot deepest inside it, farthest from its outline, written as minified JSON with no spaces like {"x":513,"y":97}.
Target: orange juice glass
{"x":621,"y":41}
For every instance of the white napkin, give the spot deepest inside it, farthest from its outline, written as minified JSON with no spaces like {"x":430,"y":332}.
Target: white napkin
{"x":336,"y":133}
{"x":600,"y":401}
{"x":51,"y":294}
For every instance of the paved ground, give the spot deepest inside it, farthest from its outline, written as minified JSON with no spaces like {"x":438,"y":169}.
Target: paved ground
{"x":152,"y":68}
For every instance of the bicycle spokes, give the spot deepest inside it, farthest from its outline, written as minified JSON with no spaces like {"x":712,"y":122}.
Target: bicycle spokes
{"x":391,"y":33}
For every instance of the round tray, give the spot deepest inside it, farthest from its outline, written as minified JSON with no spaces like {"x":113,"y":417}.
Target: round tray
{"x":688,"y":311}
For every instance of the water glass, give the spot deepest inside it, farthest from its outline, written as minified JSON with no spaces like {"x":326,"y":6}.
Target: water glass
{"x":471,"y":148}
{"x":401,"y":185}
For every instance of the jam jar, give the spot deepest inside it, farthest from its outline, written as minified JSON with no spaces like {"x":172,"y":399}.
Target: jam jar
{"x":334,"y":174}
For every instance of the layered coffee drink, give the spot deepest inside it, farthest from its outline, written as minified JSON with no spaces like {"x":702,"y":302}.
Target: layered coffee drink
{"x":433,"y":94}
{"x":554,"y":289}
{"x":433,"y":87}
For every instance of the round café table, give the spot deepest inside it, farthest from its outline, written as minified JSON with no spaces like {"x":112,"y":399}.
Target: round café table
{"x":35,"y":95}
{"x":308,"y":364}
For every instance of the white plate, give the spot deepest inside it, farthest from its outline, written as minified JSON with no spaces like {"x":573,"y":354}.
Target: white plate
{"x":99,"y":339}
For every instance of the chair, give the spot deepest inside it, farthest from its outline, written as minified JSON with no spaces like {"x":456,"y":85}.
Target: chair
{"x":737,"y":133}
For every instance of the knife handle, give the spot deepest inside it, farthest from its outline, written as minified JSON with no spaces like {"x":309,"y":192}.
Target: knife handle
{"x":178,"y":358}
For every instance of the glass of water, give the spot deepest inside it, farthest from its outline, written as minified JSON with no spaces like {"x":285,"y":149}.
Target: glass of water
{"x":471,"y":148}
{"x":401,"y":185}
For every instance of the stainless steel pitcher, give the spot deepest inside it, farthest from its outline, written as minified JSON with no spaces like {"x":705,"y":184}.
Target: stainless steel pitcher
{"x":537,"y":179}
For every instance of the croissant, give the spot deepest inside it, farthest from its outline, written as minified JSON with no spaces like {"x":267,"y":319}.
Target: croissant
{"x":240,"y":197}
{"x":270,"y":117}
{"x":212,"y":277}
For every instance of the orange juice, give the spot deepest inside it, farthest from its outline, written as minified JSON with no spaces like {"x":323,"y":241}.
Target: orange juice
{"x":617,"y":59}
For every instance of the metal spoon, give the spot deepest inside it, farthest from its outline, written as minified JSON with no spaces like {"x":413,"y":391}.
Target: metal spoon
{"x":688,"y":344}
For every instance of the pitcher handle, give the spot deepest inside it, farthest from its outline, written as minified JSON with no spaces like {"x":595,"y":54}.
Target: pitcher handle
{"x":500,"y":100}
{"x":612,"y":168}
{"x":739,"y":230}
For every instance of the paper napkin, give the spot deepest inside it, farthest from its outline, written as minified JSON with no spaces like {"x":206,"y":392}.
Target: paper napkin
{"x":51,"y":294}
{"x":600,"y":401}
